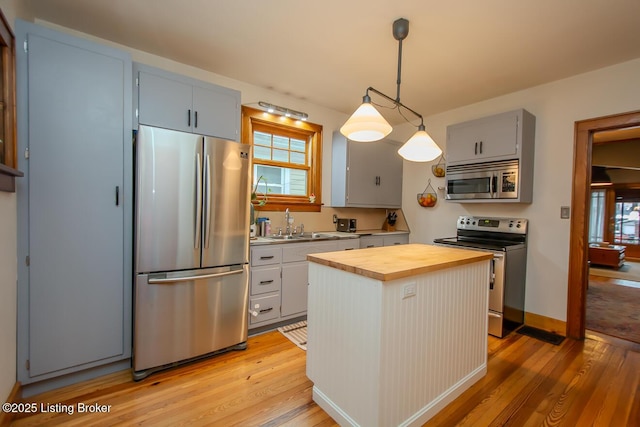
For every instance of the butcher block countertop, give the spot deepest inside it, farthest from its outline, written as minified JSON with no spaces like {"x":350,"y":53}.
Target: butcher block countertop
{"x":398,"y":261}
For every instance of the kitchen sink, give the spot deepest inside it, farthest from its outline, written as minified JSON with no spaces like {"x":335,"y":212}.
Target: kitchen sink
{"x":302,"y":237}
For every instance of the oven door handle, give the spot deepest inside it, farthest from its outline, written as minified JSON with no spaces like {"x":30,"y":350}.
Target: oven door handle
{"x":492,"y":272}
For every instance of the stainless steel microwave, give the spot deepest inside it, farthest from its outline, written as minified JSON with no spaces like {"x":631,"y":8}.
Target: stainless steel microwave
{"x":489,"y":180}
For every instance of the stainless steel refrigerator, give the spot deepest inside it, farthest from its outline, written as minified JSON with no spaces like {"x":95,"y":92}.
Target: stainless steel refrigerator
{"x":191,"y":247}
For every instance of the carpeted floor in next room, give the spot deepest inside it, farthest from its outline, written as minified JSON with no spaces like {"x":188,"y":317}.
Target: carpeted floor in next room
{"x":613,"y":307}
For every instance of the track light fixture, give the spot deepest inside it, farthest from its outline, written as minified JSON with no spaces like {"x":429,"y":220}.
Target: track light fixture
{"x":287,"y":112}
{"x":366,"y":124}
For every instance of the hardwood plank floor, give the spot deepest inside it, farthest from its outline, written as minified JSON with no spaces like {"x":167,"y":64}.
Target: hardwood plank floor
{"x":595,"y":382}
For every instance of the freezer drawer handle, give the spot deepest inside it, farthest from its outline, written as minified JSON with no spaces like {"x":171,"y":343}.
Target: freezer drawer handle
{"x":189,"y":278}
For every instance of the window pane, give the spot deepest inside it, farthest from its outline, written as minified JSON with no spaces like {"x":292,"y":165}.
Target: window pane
{"x":298,"y":144}
{"x":297,"y":158}
{"x":596,"y":217}
{"x":261,"y":138}
{"x":281,"y":142}
{"x":297,"y":183}
{"x":281,"y":155}
{"x":261,"y":152}
{"x":272,"y":179}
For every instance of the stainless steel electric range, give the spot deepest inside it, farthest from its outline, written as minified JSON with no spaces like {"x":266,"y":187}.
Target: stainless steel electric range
{"x":506,"y":238}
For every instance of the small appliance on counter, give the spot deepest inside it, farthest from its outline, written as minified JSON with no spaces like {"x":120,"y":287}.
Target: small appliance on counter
{"x":346,"y":224}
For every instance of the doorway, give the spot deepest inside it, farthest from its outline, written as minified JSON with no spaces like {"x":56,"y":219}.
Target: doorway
{"x":580,"y":200}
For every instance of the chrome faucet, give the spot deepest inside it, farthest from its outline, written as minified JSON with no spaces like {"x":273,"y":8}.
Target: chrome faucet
{"x":286,"y":222}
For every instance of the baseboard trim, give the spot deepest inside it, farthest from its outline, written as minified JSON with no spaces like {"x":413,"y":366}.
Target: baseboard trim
{"x":546,"y":323}
{"x":6,"y":418}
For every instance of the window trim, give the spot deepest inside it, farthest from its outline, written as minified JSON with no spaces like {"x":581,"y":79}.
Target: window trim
{"x":8,"y":170}
{"x":281,"y":202}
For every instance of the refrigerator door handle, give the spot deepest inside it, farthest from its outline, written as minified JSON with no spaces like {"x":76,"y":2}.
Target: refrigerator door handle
{"x":198,"y":228}
{"x":190,"y":278}
{"x":207,"y":202}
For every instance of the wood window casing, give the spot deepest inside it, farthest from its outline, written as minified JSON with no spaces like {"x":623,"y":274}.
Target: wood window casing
{"x":255,"y":119}
{"x":8,"y":152}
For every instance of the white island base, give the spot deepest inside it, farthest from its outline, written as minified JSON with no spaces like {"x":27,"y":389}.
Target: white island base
{"x":395,"y":352}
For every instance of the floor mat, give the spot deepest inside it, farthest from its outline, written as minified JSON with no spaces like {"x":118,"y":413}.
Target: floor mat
{"x":296,"y":333}
{"x":541,"y":335}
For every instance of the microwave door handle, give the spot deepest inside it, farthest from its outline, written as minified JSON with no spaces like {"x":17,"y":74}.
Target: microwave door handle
{"x":494,"y":185}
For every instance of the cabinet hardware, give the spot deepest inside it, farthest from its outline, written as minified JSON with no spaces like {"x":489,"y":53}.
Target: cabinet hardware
{"x":189,"y":118}
{"x":266,"y":310}
{"x":266,"y":257}
{"x":195,"y":119}
{"x":475,"y":151}
{"x":117,"y":195}
{"x":265,"y":282}
{"x":26,"y":153}
{"x":480,"y":147}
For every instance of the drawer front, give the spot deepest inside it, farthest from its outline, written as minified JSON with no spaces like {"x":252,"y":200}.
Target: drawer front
{"x":266,"y":308}
{"x":396,"y":239}
{"x":348,"y":244}
{"x":265,"y":279}
{"x":266,"y":255}
{"x":299,"y":251}
{"x":371,"y":241}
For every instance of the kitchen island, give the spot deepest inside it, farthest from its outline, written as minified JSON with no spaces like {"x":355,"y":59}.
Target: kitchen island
{"x":395,"y":333}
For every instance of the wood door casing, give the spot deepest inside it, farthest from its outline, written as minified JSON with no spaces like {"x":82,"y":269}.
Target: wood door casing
{"x":580,"y":197}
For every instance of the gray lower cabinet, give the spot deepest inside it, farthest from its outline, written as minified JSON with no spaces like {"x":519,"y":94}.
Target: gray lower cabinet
{"x":388,"y":240}
{"x":279,"y":279}
{"x":74,"y":204}
{"x":172,"y":101}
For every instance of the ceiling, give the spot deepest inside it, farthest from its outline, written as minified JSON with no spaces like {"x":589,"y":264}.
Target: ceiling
{"x":328,"y":52}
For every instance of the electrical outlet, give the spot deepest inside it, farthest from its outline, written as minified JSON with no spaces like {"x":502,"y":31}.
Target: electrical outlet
{"x":565,"y":212}
{"x":335,"y":218}
{"x":409,"y":290}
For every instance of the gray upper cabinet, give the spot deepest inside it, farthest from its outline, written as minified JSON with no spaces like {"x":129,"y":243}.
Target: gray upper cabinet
{"x":365,"y":174}
{"x":74,"y":204}
{"x":172,"y":101}
{"x":504,"y":136}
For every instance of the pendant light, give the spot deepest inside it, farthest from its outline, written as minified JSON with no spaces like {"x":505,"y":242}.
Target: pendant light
{"x":366,"y":124}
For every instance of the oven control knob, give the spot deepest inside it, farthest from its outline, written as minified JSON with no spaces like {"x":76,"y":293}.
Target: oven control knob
{"x":518,"y":226}
{"x":473,"y":223}
{"x":511,"y":225}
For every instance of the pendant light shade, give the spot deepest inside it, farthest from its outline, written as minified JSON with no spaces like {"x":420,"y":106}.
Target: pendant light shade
{"x":420,"y":147}
{"x":366,"y":124}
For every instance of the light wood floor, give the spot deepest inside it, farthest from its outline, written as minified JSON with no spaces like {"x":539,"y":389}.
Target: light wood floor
{"x":595,"y":382}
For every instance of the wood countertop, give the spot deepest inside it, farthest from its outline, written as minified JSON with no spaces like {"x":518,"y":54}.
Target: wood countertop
{"x":399,"y":261}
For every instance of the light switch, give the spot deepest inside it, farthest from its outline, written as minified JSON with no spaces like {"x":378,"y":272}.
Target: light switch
{"x":565,"y":212}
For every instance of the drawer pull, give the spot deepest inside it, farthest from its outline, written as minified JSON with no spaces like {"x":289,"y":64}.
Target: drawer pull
{"x":266,"y":310}
{"x":265,"y":282}
{"x":267,"y":257}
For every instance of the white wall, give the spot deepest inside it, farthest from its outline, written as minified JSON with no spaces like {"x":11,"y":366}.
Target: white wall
{"x":557,"y":106}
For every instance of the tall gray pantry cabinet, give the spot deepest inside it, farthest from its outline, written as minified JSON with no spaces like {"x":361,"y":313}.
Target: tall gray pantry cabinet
{"x":74,"y":208}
